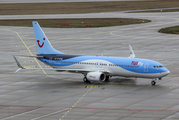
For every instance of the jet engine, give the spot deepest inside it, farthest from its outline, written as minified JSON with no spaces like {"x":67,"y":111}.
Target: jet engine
{"x":96,"y":76}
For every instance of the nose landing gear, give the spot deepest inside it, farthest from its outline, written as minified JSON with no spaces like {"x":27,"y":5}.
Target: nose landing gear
{"x":153,"y":82}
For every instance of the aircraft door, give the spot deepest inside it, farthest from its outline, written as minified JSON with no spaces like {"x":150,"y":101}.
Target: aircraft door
{"x":98,"y":64}
{"x":50,"y":60}
{"x":146,"y":65}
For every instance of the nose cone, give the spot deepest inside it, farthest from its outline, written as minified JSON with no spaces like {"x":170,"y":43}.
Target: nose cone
{"x":165,"y":71}
{"x":168,"y":72}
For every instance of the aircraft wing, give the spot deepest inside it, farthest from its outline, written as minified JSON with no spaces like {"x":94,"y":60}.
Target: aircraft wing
{"x":80,"y":70}
{"x":132,"y":55}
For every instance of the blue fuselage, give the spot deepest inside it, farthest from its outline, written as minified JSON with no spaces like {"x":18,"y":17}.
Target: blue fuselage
{"x":115,"y":66}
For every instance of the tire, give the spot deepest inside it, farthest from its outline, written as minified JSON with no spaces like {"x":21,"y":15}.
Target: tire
{"x":153,"y":83}
{"x":107,"y":79}
{"x":85,"y":79}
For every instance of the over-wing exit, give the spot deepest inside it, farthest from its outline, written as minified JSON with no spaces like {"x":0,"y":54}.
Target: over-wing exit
{"x":95,"y":68}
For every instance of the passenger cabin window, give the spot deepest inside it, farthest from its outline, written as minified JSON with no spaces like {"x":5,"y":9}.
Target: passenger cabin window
{"x":155,"y":66}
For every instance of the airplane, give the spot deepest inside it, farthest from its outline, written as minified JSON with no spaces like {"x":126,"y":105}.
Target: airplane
{"x":94,"y":68}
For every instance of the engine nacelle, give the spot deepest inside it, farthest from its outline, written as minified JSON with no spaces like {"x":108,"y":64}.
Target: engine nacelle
{"x":96,"y":76}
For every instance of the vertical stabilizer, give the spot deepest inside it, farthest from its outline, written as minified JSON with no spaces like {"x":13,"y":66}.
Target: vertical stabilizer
{"x":43,"y":45}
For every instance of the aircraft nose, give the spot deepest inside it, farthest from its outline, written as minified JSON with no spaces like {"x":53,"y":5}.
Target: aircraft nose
{"x":168,"y":72}
{"x":165,"y":71}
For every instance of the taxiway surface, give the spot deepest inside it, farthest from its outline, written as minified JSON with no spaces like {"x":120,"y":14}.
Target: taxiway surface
{"x":48,"y":95}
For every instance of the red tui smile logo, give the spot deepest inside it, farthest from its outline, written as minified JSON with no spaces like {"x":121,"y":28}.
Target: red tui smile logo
{"x":39,"y":43}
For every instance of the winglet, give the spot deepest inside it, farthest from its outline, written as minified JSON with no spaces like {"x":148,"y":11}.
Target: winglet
{"x":18,"y":64}
{"x":132,"y":55}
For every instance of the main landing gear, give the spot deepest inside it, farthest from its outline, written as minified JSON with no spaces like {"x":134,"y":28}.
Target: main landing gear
{"x":107,"y":79}
{"x":86,"y":80}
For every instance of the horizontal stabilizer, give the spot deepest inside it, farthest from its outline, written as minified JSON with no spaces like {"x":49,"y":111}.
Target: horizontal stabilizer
{"x":21,"y":67}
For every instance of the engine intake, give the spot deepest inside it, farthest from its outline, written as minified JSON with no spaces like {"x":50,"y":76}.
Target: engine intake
{"x":96,"y":76}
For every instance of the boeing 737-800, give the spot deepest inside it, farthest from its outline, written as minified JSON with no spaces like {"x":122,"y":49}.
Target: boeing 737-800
{"x":95,"y":68}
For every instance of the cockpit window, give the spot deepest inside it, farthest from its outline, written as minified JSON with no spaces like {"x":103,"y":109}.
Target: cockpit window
{"x":160,"y":66}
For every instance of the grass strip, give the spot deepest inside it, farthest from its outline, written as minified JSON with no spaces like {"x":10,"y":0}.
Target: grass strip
{"x":83,"y":7}
{"x":170,"y":30}
{"x":166,"y":10}
{"x":74,"y":23}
